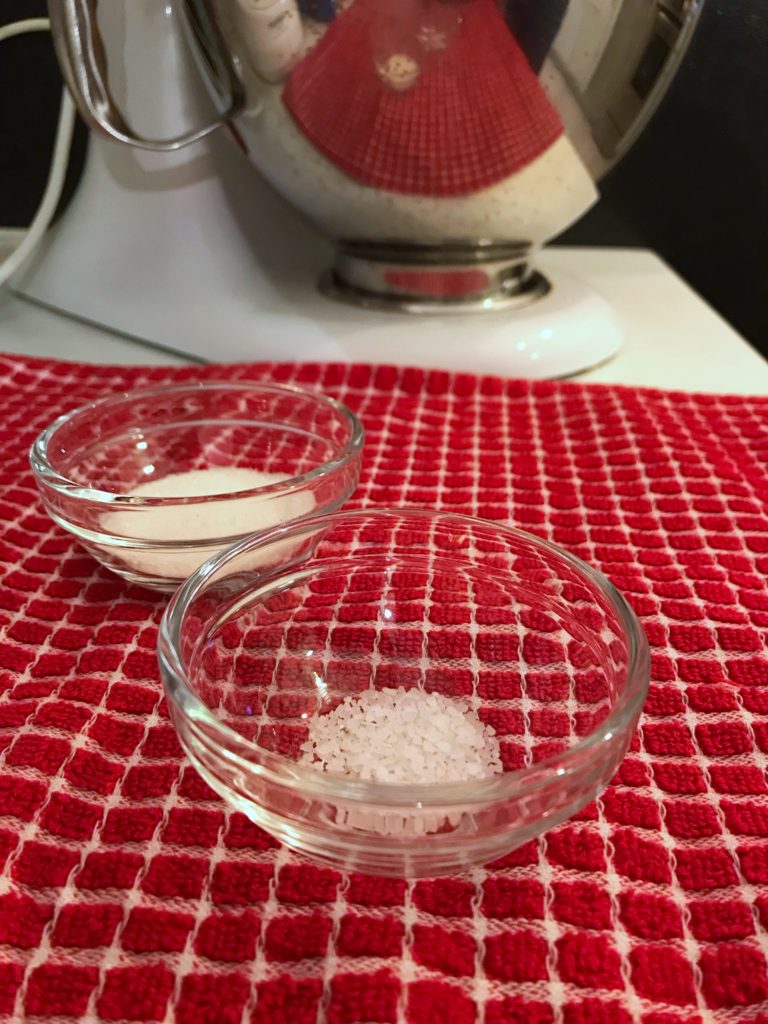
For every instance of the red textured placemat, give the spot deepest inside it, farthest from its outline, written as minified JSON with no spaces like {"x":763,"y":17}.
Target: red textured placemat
{"x":131,"y":893}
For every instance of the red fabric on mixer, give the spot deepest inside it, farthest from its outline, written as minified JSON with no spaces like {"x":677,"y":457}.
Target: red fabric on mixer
{"x":130,"y":892}
{"x":425,"y":97}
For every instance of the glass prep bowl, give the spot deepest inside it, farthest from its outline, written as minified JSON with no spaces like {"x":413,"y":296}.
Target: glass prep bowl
{"x":274,"y":454}
{"x":536,"y":642}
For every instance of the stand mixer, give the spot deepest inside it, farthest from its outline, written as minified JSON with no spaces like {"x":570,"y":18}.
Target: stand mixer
{"x":413,"y":155}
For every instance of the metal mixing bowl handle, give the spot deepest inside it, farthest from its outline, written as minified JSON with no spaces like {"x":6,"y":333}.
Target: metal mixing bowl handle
{"x":83,"y":61}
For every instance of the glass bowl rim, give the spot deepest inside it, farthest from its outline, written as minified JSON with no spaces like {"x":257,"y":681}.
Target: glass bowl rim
{"x":307,"y":780}
{"x":43,"y":470}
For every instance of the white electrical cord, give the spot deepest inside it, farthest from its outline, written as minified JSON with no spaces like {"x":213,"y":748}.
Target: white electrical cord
{"x":59,"y":161}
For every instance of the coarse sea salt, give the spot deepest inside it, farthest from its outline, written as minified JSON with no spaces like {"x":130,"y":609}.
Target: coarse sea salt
{"x":200,"y":521}
{"x":402,"y":736}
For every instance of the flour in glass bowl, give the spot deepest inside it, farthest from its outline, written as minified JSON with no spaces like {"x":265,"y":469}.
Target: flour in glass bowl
{"x":201,"y":521}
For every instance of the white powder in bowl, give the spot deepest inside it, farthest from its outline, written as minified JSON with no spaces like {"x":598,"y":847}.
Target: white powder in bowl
{"x":201,"y":521}
{"x":402,"y":736}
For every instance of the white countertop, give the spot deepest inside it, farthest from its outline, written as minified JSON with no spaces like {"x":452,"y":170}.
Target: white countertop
{"x":672,"y":338}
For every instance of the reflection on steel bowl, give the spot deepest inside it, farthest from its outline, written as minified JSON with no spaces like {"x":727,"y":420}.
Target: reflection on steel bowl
{"x":437,"y":142}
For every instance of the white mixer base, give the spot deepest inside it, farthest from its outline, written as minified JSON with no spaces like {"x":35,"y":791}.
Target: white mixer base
{"x":193,"y":251}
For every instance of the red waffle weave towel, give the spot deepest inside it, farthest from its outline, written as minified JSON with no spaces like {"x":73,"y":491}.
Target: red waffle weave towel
{"x":131,"y":893}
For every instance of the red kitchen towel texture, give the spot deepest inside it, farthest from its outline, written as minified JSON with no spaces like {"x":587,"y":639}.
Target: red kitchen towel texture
{"x":131,"y":893}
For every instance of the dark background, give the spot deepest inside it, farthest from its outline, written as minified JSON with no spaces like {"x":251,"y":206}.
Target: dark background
{"x":694,"y":187}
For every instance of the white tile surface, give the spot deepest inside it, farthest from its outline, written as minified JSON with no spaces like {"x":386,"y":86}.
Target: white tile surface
{"x":27,"y":329}
{"x":672,"y":338}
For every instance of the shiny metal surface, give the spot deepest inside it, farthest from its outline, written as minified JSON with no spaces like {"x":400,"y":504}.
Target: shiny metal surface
{"x":427,"y":279}
{"x":81,"y":55}
{"x":525,"y":290}
{"x":431,"y":125}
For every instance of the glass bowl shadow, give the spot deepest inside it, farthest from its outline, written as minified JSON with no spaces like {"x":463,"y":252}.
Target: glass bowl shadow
{"x":285,"y":625}
{"x":88,"y":461}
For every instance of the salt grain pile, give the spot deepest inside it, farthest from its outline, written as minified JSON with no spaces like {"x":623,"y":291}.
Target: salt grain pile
{"x":402,"y":736}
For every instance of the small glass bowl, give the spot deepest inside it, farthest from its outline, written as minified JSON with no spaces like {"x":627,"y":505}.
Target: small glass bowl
{"x":268,"y":454}
{"x":538,"y":644}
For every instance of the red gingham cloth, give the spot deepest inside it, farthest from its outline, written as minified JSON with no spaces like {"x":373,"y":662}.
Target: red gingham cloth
{"x":130,"y":892}
{"x":475,"y":115}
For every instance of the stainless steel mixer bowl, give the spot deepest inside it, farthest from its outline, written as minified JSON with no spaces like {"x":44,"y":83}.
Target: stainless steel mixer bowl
{"x":438,"y":143}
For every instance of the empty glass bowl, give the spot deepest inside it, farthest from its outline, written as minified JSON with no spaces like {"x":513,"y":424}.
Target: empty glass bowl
{"x":155,"y":481}
{"x":281,"y":628}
